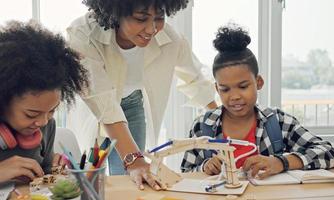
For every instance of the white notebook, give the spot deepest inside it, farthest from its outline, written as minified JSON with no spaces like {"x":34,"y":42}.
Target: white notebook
{"x":296,"y":177}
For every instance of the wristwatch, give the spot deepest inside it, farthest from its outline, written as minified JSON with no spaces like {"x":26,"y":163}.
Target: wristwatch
{"x":130,"y":158}
{"x":284,"y":161}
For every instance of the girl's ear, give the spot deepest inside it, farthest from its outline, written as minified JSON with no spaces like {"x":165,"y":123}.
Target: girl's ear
{"x":259,"y":82}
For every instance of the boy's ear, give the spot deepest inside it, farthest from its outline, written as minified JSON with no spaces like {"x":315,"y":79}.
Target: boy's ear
{"x":259,"y":82}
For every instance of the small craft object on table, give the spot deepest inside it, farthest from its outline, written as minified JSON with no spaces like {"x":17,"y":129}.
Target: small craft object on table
{"x":169,"y":179}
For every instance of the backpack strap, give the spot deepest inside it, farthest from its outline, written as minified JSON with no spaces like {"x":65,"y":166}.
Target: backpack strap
{"x":207,"y":130}
{"x":274,"y":133}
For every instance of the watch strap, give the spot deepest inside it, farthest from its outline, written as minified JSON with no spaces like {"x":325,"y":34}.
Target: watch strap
{"x":135,"y":156}
{"x":284,"y":161}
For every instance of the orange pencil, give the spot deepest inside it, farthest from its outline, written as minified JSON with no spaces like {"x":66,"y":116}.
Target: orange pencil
{"x":97,"y":164}
{"x":106,"y":153}
{"x":103,"y":157}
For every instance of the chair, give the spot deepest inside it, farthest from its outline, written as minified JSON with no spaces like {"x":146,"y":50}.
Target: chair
{"x":68,"y":139}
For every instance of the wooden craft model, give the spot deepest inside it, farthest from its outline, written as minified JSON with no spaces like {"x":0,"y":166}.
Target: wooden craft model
{"x":168,"y":178}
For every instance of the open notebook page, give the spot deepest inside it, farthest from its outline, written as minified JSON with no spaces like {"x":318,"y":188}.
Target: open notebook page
{"x":278,"y":179}
{"x":314,"y":176}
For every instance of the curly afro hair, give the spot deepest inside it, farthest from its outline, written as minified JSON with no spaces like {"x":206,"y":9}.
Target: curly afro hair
{"x":108,"y":12}
{"x":34,"y":59}
{"x":231,"y":43}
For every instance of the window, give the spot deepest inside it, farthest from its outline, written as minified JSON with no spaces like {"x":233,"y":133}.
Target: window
{"x":208,"y":17}
{"x":15,"y":10}
{"x":57,"y":15}
{"x":308,"y":61}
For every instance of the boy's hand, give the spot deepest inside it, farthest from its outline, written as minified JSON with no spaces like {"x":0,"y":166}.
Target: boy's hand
{"x":268,"y":164}
{"x":213,"y":166}
{"x":19,"y":166}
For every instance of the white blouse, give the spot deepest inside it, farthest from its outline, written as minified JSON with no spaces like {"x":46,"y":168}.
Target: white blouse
{"x":167,"y":54}
{"x":134,"y":58}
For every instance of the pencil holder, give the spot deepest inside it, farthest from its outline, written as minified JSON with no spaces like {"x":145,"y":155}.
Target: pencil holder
{"x":91,"y":182}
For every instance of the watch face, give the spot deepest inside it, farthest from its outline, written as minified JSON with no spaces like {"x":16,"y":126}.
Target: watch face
{"x":128,"y":158}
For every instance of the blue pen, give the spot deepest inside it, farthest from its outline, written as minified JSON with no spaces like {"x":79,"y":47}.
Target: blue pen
{"x":81,"y":177}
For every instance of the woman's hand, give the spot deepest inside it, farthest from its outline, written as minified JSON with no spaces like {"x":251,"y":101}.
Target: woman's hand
{"x":140,"y":172}
{"x":17,"y":166}
{"x":213,"y":166}
{"x":269,"y":165}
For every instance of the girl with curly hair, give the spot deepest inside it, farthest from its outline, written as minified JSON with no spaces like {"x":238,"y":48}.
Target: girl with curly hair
{"x":132,"y":55}
{"x":37,"y":72}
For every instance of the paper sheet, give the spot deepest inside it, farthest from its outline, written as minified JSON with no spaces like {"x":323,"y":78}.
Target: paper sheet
{"x":198,"y":186}
{"x":5,"y":190}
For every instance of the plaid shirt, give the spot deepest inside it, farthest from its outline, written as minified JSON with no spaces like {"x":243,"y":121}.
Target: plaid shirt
{"x":312,"y":150}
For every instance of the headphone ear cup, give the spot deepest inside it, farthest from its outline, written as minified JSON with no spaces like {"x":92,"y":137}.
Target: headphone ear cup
{"x":31,"y":141}
{"x":7,"y":137}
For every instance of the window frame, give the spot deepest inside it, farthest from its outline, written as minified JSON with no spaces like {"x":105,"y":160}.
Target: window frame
{"x":270,"y":51}
{"x":36,"y":10}
{"x":272,"y":95}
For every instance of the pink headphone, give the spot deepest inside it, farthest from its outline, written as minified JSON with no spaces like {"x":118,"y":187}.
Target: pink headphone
{"x":8,"y":141}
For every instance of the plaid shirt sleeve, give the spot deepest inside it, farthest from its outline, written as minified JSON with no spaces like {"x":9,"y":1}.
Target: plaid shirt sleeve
{"x":193,"y":159}
{"x":314,"y":152}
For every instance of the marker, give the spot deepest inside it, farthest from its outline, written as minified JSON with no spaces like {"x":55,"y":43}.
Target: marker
{"x":83,"y":160}
{"x":213,"y":187}
{"x":102,"y":159}
{"x":106,"y":142}
{"x":106,"y":153}
{"x":96,"y":151}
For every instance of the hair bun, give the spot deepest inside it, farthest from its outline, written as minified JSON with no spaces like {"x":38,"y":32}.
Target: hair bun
{"x":231,"y":38}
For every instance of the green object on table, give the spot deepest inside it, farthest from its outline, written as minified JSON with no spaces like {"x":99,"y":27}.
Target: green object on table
{"x":65,"y":189}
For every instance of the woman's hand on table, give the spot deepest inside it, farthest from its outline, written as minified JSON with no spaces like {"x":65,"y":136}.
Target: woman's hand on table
{"x":140,"y":173}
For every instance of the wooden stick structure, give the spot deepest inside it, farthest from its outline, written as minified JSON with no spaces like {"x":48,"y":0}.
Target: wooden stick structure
{"x":168,"y":177}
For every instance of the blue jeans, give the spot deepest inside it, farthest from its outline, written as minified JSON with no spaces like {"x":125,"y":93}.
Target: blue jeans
{"x":133,"y":108}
